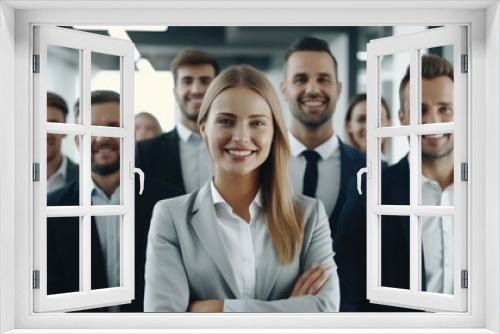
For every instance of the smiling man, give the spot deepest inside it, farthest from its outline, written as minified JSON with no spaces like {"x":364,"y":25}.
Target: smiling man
{"x":436,"y":190}
{"x":179,"y":157}
{"x":436,"y":186}
{"x":321,"y":164}
{"x":63,"y":233}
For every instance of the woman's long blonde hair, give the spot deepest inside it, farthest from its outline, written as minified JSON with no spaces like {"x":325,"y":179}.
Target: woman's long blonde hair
{"x":284,"y":217}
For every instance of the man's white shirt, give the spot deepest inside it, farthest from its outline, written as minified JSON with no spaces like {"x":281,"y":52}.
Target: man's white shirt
{"x":108,"y":232}
{"x":196,"y":163}
{"x":58,"y":179}
{"x":437,"y":238}
{"x":329,"y":172}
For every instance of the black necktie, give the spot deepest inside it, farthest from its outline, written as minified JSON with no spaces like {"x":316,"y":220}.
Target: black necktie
{"x":311,"y":173}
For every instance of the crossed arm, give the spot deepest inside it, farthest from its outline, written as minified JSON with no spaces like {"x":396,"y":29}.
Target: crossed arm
{"x":167,"y":287}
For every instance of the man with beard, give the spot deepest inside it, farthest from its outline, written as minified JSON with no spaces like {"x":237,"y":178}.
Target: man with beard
{"x":179,"y":157}
{"x":63,"y":233}
{"x":321,"y":164}
{"x":60,"y":169}
{"x":437,"y":190}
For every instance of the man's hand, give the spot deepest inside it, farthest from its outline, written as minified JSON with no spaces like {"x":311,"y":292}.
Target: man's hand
{"x":311,"y":281}
{"x":210,"y":305}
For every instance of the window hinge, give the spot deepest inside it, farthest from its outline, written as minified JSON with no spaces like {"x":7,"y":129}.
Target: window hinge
{"x":36,"y":279}
{"x":465,"y":66}
{"x":36,"y":172}
{"x":36,"y":63}
{"x":464,"y":171}
{"x":464,"y":279}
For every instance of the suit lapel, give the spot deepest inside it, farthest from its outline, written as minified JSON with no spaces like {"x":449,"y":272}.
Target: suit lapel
{"x":346,"y":167}
{"x":402,"y":196}
{"x":203,"y":219}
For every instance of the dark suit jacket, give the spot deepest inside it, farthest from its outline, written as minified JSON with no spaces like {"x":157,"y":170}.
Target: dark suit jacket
{"x":350,"y":242}
{"x":351,"y":160}
{"x":72,"y":172}
{"x":63,"y":242}
{"x":159,"y":158}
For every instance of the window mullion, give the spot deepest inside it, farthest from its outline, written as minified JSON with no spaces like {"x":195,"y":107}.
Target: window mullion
{"x":414,"y":170}
{"x":85,"y":181}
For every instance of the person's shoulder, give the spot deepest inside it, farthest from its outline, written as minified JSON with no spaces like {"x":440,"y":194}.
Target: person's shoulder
{"x":309,"y":206}
{"x":176,"y":206}
{"x":174,"y":203}
{"x":166,"y":137}
{"x":67,"y":195}
{"x":351,"y":152}
{"x":398,"y":169}
{"x":303,"y":201}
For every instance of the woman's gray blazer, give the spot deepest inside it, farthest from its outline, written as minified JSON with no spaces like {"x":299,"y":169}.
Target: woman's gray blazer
{"x":186,"y":260}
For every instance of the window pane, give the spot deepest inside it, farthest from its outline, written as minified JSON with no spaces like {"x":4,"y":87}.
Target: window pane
{"x":395,"y":187}
{"x":392,"y":70}
{"x":437,"y":170}
{"x":106,"y":78}
{"x":437,"y":252}
{"x":437,"y":85}
{"x":395,"y":252}
{"x":63,"y":254}
{"x":63,"y":83}
{"x":63,"y":170}
{"x":106,"y":170}
{"x":106,"y":251}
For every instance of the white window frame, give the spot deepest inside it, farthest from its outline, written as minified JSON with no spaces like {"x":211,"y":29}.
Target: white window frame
{"x":85,"y":44}
{"x":16,"y":19}
{"x":414,"y":44}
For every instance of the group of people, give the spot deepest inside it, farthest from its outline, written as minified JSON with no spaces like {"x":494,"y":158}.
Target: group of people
{"x":250,"y":216}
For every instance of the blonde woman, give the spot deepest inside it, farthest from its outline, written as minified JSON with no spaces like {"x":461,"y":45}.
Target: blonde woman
{"x":243,"y":242}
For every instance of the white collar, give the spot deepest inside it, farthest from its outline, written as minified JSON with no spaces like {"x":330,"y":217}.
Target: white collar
{"x":217,"y":197}
{"x":184,"y":132}
{"x":325,"y":150}
{"x":63,"y":168}
{"x":95,"y":190}
{"x":426,"y":180}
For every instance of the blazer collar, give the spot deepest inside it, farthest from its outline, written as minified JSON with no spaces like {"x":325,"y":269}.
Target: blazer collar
{"x":202,"y":217}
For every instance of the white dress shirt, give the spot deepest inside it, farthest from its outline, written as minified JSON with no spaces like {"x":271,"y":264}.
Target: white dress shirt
{"x":245,"y":242}
{"x":328,"y":170}
{"x":108,"y":230}
{"x":196,"y":163}
{"x":437,"y":239}
{"x":58,"y":179}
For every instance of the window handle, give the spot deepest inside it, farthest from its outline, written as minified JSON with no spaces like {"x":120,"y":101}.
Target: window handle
{"x":134,"y":170}
{"x":141,"y":179}
{"x":360,"y":173}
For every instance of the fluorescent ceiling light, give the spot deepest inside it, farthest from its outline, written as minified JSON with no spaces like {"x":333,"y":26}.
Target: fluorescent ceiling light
{"x":128,"y":28}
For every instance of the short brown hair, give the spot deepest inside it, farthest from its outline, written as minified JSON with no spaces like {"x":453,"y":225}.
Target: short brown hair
{"x":311,"y":44}
{"x":56,"y":101}
{"x":433,"y":66}
{"x":98,"y":97}
{"x":193,"y":57}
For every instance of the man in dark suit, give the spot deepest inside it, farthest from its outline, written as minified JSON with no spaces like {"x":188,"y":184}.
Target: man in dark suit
{"x":437,"y":189}
{"x":321,"y":164}
{"x":60,"y":169}
{"x":63,"y":233}
{"x":179,"y":157}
